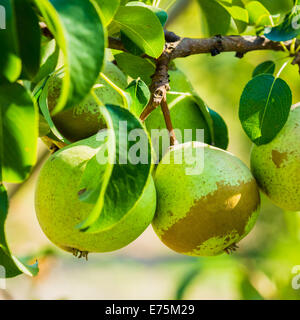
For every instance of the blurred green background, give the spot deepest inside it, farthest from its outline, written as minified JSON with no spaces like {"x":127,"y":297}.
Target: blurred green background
{"x":146,"y":269}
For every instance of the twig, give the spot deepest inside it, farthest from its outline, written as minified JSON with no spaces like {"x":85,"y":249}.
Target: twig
{"x":168,"y":121}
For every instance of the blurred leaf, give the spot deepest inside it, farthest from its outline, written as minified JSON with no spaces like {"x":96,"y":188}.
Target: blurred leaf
{"x":29,"y":38}
{"x":258,"y":14}
{"x":12,"y":265}
{"x":10,"y":61}
{"x":264,"y":107}
{"x":265,"y":67}
{"x":288,"y":29}
{"x":213,"y":12}
{"x":248,"y":291}
{"x":135,"y":66}
{"x":140,"y":25}
{"x":123,"y":173}
{"x":238,"y":12}
{"x":140,"y":96}
{"x":187,"y":279}
{"x":18,"y":132}
{"x":76,"y":25}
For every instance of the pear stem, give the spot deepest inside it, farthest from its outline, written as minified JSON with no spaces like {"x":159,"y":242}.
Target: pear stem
{"x":166,"y":112}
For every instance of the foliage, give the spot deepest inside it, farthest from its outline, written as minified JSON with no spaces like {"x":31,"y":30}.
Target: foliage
{"x":73,"y":37}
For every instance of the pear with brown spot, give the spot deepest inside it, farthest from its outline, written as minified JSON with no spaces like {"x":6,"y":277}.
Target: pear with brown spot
{"x":276,"y":165}
{"x":207,"y":203}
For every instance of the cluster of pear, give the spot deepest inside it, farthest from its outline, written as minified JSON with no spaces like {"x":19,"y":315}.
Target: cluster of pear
{"x":200,"y":214}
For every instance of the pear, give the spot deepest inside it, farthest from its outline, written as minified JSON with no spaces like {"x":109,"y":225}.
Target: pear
{"x":184,"y":112}
{"x":59,"y":209}
{"x":209,"y":211}
{"x":276,"y":165}
{"x":85,"y":120}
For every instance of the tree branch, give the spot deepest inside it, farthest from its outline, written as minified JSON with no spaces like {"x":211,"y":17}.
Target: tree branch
{"x":177,"y":47}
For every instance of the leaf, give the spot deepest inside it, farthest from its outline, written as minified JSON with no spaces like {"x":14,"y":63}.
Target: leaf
{"x":29,"y":38}
{"x":160,"y":13}
{"x":125,"y":178}
{"x":213,"y":12}
{"x":49,"y":59}
{"x":258,"y":14}
{"x":288,"y":29}
{"x":264,"y":107}
{"x":12,"y":265}
{"x":187,"y":279}
{"x":108,"y":8}
{"x":265,"y":67}
{"x":76,"y":25}
{"x":140,"y":96}
{"x":42,"y":102}
{"x":10,"y":61}
{"x":18,"y":132}
{"x":143,"y":27}
{"x":129,"y":45}
{"x":221,"y":139}
{"x":237,"y":11}
{"x":135,"y":66}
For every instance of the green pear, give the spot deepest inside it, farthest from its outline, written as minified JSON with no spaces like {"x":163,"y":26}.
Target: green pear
{"x":184,"y":112}
{"x":59,"y":209}
{"x":276,"y":165}
{"x":85,"y":120}
{"x":206,"y":212}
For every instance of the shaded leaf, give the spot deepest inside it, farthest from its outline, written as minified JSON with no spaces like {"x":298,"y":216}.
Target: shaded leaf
{"x":135,"y":66}
{"x":221,"y":138}
{"x":10,"y":61}
{"x":29,"y":38}
{"x":18,"y":132}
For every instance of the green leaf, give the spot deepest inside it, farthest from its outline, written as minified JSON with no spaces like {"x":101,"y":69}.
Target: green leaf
{"x":213,"y":12}
{"x":49,"y":59}
{"x":10,"y":61}
{"x":12,"y":265}
{"x":125,"y":176}
{"x":129,"y":45}
{"x":108,"y":8}
{"x":135,"y":66}
{"x":264,"y":108}
{"x":42,"y":102}
{"x":265,"y":67}
{"x":143,"y":27}
{"x":18,"y":132}
{"x":258,"y":14}
{"x":140,"y":96}
{"x":278,"y":6}
{"x":221,"y":139}
{"x":79,"y":32}
{"x":160,"y":13}
{"x":288,"y":29}
{"x":29,"y":38}
{"x":237,"y":11}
